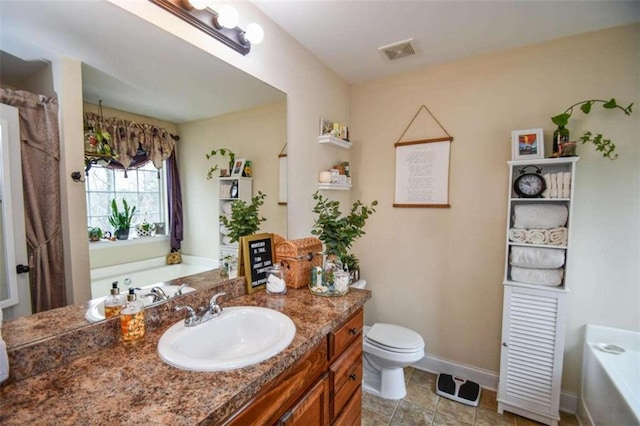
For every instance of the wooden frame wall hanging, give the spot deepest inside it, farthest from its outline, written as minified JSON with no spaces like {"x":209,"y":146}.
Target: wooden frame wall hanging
{"x":422,"y":169}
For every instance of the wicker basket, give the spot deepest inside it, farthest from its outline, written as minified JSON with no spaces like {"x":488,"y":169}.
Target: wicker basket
{"x":297,"y":258}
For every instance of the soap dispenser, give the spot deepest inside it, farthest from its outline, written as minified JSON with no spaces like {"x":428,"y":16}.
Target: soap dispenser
{"x":132,"y":322}
{"x":114,"y":302}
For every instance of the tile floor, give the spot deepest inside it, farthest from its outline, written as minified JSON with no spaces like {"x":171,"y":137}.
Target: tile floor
{"x":422,"y":406}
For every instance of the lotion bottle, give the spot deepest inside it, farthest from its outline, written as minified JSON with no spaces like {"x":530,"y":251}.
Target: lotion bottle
{"x":114,"y":302}
{"x":132,"y":322}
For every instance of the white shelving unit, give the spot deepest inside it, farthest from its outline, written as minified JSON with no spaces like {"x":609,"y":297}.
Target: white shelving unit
{"x":534,"y":316}
{"x":245,"y":192}
{"x":333,"y":141}
{"x":334,"y":186}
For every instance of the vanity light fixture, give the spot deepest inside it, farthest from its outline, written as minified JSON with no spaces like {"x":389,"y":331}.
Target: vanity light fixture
{"x":220,"y":25}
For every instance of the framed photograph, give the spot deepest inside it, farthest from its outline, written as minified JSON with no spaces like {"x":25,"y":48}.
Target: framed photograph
{"x":238,"y":167}
{"x":527,"y":144}
{"x":326,"y":127}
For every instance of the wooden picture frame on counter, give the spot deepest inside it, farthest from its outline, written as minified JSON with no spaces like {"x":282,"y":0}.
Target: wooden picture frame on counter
{"x":256,"y":254}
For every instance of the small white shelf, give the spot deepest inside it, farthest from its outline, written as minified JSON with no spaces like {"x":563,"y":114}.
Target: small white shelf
{"x":540,"y":200}
{"x":511,"y":243}
{"x":558,"y":289}
{"x":334,"y":186}
{"x":333,"y":141}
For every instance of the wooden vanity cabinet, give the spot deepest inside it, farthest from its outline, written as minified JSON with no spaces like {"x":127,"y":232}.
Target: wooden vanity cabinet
{"x":322,"y":388}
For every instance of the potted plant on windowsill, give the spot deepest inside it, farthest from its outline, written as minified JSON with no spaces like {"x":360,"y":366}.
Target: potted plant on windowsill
{"x":121,"y":220}
{"x":338,"y":232}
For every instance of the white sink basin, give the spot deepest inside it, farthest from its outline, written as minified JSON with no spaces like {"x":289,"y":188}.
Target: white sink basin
{"x":239,"y":337}
{"x":95,"y":311}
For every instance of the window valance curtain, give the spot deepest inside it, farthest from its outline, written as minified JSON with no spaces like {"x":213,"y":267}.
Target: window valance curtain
{"x":133,"y":144}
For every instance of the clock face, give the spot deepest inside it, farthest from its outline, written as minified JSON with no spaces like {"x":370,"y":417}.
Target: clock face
{"x":529,"y":185}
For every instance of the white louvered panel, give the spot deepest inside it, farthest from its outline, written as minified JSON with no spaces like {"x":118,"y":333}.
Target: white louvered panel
{"x":531,"y":348}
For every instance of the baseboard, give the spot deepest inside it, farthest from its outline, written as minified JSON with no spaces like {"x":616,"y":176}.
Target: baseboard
{"x":485,"y":378}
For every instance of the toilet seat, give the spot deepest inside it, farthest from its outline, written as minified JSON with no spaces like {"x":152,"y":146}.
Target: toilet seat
{"x":394,"y":338}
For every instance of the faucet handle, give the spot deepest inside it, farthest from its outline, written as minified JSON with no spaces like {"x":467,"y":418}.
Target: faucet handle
{"x":214,"y":299}
{"x":192,"y":319}
{"x":179,"y":291}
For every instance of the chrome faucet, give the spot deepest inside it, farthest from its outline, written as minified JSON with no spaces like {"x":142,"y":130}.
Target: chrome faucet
{"x":157,"y":293}
{"x":208,"y":313}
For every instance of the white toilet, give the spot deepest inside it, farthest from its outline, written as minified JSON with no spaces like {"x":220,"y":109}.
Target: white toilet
{"x":387,"y":349}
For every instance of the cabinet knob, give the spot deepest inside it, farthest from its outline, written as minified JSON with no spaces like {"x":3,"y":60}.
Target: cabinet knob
{"x":505,"y":344}
{"x":353,"y":376}
{"x":353,"y":331}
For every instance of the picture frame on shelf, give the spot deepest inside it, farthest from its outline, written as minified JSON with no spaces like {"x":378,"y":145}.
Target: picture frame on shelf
{"x":238,"y":167}
{"x":527,"y":144}
{"x":326,"y":126}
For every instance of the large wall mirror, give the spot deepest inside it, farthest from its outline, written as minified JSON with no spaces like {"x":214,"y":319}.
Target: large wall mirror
{"x":141,"y":72}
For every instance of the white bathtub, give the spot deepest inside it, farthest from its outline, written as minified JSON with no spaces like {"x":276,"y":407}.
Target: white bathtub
{"x":146,"y":273}
{"x":610,"y":392}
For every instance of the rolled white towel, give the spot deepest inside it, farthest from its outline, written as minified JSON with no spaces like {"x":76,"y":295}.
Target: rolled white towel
{"x":558,"y":236}
{"x":548,"y":277}
{"x":535,"y":257}
{"x":537,"y":216}
{"x":537,"y":236}
{"x":226,"y":240}
{"x":224,"y":230}
{"x":553,"y":193}
{"x":518,"y":235}
{"x":547,"y":181}
{"x":566,"y":184}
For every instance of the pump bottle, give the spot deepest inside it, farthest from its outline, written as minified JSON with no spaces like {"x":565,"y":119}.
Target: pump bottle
{"x":114,"y":302}
{"x":132,"y":322}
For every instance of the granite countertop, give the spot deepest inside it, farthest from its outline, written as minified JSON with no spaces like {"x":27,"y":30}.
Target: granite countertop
{"x":121,"y":385}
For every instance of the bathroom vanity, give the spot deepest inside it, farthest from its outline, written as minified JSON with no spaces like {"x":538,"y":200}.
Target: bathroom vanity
{"x":316,"y":380}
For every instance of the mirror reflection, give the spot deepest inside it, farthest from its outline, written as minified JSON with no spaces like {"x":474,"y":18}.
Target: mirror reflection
{"x":143,"y":75}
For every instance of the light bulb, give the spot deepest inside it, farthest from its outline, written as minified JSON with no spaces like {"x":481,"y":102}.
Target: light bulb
{"x":254,"y":33}
{"x":199,"y":4}
{"x":228,"y":17}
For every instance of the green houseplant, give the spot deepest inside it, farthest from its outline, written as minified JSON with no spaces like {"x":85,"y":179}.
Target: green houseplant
{"x":338,"y":232}
{"x":245,"y":218}
{"x":95,"y":233}
{"x":121,"y":220}
{"x":606,"y":146}
{"x":222,"y":152}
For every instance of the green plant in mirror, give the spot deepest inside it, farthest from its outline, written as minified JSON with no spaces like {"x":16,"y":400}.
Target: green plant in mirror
{"x":338,"y":232}
{"x":602,"y":145}
{"x":245,"y":218}
{"x":222,"y":152}
{"x":121,"y":220}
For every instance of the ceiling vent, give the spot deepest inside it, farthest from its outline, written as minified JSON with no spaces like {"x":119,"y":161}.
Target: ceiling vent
{"x":402,"y":49}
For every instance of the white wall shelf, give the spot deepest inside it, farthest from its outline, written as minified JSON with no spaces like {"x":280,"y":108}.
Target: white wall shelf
{"x":334,"y":186}
{"x":333,"y":141}
{"x":244,"y":193}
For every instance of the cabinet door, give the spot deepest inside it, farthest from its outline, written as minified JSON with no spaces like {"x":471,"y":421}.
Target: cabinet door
{"x":532,"y":349}
{"x":312,"y":409}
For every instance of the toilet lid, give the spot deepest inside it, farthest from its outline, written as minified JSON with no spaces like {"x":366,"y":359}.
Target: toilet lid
{"x":395,"y":336}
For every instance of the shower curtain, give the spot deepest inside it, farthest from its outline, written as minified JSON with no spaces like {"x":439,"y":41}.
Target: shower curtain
{"x":40,"y":149}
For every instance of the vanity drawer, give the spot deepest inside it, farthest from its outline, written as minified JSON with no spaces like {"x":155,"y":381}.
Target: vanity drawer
{"x":343,"y":336}
{"x":345,"y":377}
{"x":351,"y":415}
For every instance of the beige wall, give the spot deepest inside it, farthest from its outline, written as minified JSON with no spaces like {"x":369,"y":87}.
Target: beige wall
{"x":440,"y":270}
{"x":257,"y":134}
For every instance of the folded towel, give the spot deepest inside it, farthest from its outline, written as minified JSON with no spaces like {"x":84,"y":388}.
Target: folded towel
{"x":566,"y":184}
{"x":537,"y":216}
{"x":537,"y":236}
{"x":547,"y":181}
{"x":558,"y":237}
{"x":553,"y":193}
{"x":548,"y":277}
{"x":534,"y":257}
{"x":518,"y":235}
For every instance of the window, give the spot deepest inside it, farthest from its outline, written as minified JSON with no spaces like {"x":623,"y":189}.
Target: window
{"x":141,"y":188}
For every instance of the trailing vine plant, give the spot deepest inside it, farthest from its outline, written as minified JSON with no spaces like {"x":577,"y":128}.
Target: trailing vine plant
{"x":606,"y":146}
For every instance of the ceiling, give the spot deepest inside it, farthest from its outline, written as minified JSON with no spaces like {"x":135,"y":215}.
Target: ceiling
{"x":345,"y":35}
{"x":134,"y":66}
{"x":128,"y":63}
